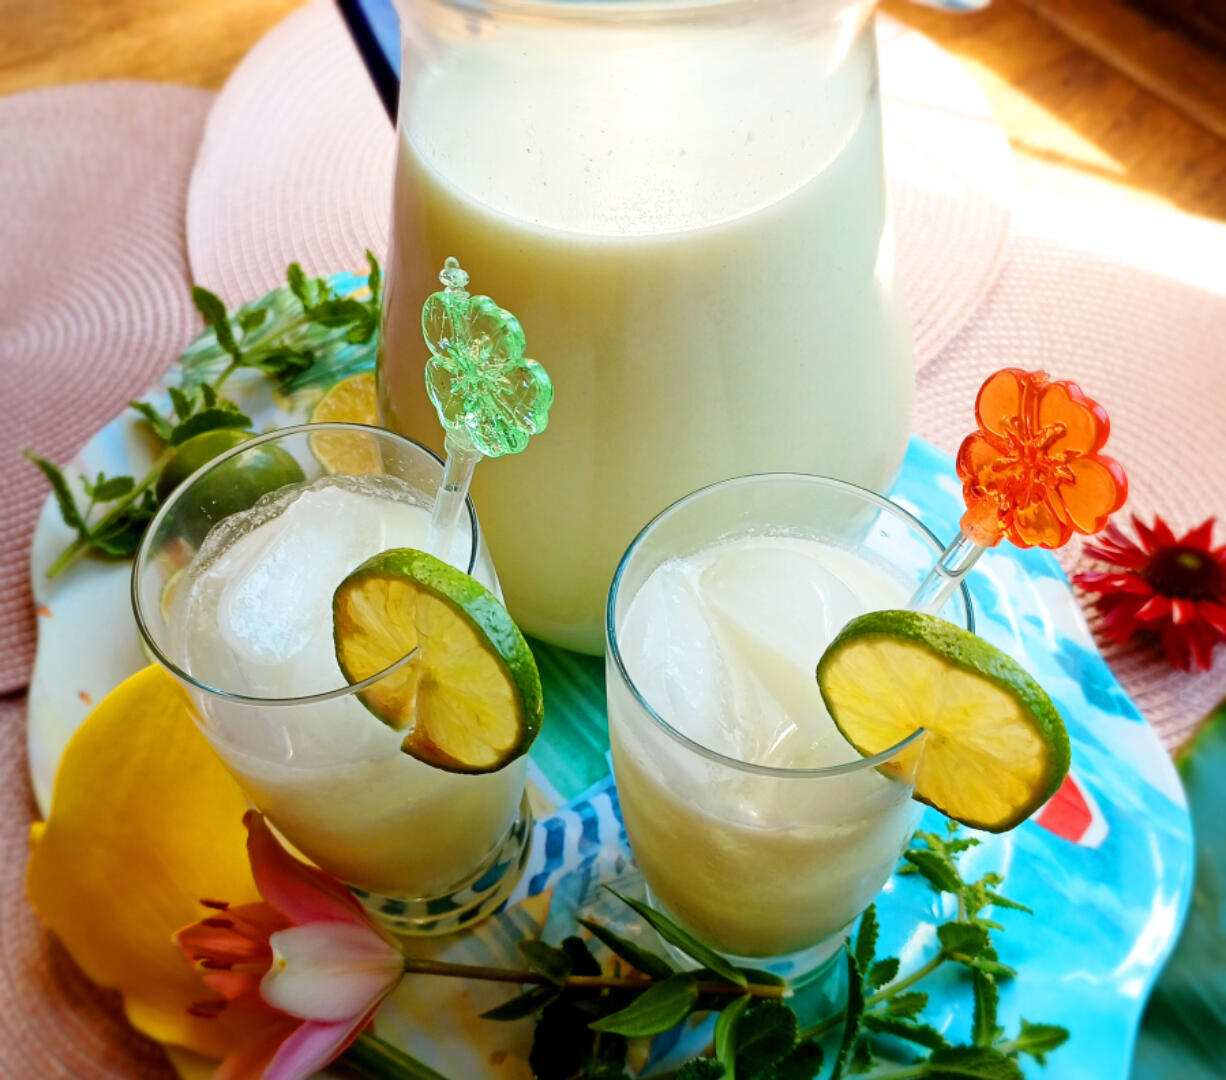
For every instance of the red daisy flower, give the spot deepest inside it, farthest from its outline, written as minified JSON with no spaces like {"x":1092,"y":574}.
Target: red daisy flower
{"x":1172,"y":587}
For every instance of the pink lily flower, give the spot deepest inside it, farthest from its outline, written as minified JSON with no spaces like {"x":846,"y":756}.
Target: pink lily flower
{"x":309,"y":957}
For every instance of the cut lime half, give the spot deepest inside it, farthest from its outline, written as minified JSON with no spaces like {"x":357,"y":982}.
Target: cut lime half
{"x":996,"y":748}
{"x":470,"y":698}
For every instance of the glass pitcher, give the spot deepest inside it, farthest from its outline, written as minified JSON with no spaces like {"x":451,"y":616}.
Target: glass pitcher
{"x":684,"y":203}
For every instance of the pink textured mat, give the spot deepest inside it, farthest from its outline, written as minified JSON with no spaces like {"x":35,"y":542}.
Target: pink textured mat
{"x":94,"y":287}
{"x":297,"y":164}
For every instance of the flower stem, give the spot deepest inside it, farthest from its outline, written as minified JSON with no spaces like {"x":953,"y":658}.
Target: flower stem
{"x":372,"y":1057}
{"x":420,"y":966}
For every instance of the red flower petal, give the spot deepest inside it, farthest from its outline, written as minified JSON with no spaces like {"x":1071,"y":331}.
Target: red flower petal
{"x":1214,"y":615}
{"x":1201,"y":536}
{"x":1155,"y":608}
{"x":1183,"y":610}
{"x":1158,"y":536}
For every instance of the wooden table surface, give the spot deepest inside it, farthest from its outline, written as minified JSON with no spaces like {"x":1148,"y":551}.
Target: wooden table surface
{"x":1092,"y":96}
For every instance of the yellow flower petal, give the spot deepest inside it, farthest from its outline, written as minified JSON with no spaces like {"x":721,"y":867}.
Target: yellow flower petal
{"x":145,"y":822}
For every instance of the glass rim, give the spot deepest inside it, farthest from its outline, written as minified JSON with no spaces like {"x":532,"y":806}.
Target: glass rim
{"x":582,"y":10}
{"x":142,"y":552}
{"x":614,"y":652}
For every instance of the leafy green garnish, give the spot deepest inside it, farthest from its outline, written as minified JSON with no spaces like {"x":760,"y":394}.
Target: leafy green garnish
{"x":244,"y":340}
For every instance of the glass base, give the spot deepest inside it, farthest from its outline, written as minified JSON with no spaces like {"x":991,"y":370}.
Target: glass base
{"x":467,"y":902}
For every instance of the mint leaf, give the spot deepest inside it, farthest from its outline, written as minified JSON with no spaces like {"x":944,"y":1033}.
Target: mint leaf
{"x":252,"y":320}
{"x":656,"y":1009}
{"x":109,"y":488}
{"x":853,"y":1014}
{"x":375,"y":280}
{"x":545,"y":959}
{"x":1039,"y":1040}
{"x":635,"y":955}
{"x":726,"y":1034}
{"x":298,"y":283}
{"x":691,"y":946}
{"x":882,"y":973}
{"x":180,"y":403}
{"x":208,"y":420}
{"x":971,"y":1063}
{"x":989,"y":965}
{"x":765,"y":1034}
{"x":938,"y":870}
{"x":214,"y":311}
{"x":522,"y":1005}
{"x":994,"y":899}
{"x":161,"y":427}
{"x":701,"y":1069}
{"x":984,"y":1031}
{"x":281,"y":360}
{"x":861,"y":1057}
{"x":803,"y":1063}
{"x":120,"y":536}
{"x":921,"y":1034}
{"x":969,"y":939}
{"x":63,"y":493}
{"x":907,"y":1005}
{"x":209,"y":395}
{"x":866,"y":939}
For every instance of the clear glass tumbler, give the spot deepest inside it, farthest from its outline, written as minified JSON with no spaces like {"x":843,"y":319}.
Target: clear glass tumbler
{"x":771,"y":855}
{"x":232,"y":591}
{"x":685,"y":205}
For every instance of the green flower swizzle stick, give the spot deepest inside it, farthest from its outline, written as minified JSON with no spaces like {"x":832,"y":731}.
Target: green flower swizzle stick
{"x":490,"y":398}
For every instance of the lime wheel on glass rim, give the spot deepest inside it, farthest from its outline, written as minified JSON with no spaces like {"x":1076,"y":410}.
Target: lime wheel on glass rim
{"x":469,"y":700}
{"x":996,"y":748}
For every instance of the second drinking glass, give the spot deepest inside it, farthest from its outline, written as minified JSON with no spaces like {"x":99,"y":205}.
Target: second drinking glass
{"x":755,"y":823}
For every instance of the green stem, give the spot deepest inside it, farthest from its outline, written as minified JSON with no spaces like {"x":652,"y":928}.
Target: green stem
{"x":919,"y":1069}
{"x":230,"y":368}
{"x":881,"y":995}
{"x":82,"y":542}
{"x":419,"y":966}
{"x":372,"y":1057}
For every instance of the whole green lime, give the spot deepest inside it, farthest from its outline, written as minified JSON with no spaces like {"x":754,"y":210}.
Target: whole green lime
{"x":232,"y":487}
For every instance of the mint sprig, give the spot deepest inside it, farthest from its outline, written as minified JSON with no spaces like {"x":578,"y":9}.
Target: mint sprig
{"x":129,"y":504}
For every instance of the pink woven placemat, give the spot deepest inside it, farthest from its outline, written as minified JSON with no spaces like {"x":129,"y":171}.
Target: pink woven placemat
{"x":1134,"y":308}
{"x":297,"y":164}
{"x":94,"y":287}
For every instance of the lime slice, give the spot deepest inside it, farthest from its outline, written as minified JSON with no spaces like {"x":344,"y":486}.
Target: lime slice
{"x":470,"y":700}
{"x":349,"y":453}
{"x":996,"y":748}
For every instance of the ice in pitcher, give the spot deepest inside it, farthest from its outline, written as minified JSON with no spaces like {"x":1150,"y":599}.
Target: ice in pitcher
{"x":723,"y":645}
{"x":255,"y":610}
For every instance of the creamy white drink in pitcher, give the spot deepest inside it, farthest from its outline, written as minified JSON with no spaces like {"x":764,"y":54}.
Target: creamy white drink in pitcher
{"x":689,"y":212}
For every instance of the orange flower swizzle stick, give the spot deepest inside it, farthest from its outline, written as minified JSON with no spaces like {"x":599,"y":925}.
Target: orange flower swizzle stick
{"x":1031,"y":473}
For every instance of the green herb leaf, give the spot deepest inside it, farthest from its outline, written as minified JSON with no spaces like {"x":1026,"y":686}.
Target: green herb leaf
{"x":701,"y":1069}
{"x":252,"y":320}
{"x":160,"y":425}
{"x":765,"y":1035}
{"x":883,"y":972}
{"x":866,"y":939}
{"x":853,"y":1014}
{"x":545,"y":959}
{"x":988,"y":965}
{"x":297,"y":283}
{"x":522,"y":1005}
{"x":375,"y":279}
{"x":969,"y":939}
{"x":938,"y":871}
{"x":180,"y":403}
{"x":281,"y":360}
{"x":907,"y":1005}
{"x":984,"y":1031}
{"x":921,"y":1034}
{"x":638,"y":957}
{"x":861,"y":1057}
{"x":109,"y":488}
{"x":208,"y":420}
{"x":63,"y":493}
{"x":214,"y":311}
{"x":726,"y":1034}
{"x":662,"y":1006}
{"x":209,"y":396}
{"x":971,"y":1063}
{"x":994,"y":899}
{"x":1039,"y":1040}
{"x":803,"y":1063}
{"x":691,"y":946}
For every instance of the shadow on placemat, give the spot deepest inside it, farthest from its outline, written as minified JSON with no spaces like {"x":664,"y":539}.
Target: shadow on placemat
{"x":1184,"y":1028}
